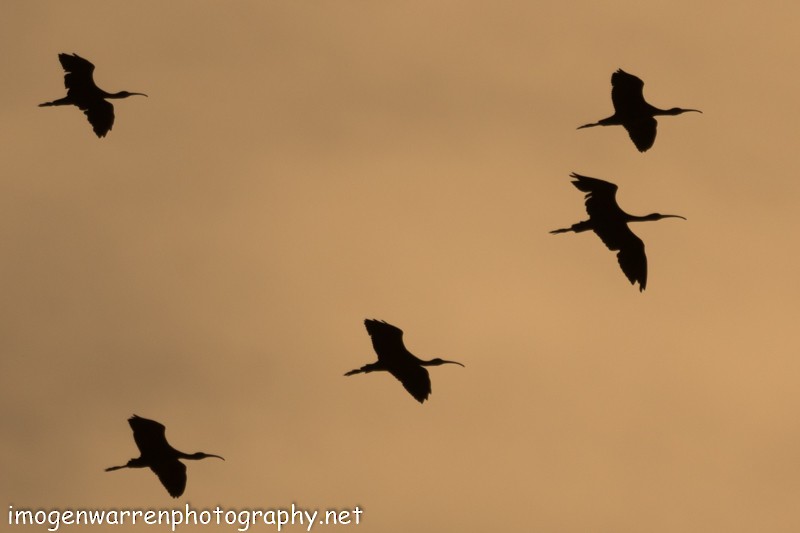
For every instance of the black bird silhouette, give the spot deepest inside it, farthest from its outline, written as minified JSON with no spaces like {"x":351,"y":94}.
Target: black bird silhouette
{"x":632,"y":112}
{"x":610,"y":223}
{"x":393,"y":357}
{"x":159,"y":456}
{"x":88,"y":97}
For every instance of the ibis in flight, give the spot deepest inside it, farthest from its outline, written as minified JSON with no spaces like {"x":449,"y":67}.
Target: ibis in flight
{"x":156,"y":454}
{"x":632,"y":112}
{"x":88,"y":97}
{"x":393,"y":357}
{"x":610,"y":223}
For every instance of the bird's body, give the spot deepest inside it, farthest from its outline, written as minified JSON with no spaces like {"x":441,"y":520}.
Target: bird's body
{"x":393,"y":357}
{"x":610,"y":223}
{"x":632,"y":112}
{"x":158,"y":455}
{"x":85,"y":95}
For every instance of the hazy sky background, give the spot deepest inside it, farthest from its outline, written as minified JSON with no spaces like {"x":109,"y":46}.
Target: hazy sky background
{"x":302,"y":165}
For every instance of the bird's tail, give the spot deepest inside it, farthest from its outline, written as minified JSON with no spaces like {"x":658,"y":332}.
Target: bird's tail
{"x":110,"y":468}
{"x":589,"y":125}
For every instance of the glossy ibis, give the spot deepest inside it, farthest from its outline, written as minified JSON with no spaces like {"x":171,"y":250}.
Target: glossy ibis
{"x":632,"y":112}
{"x":393,"y":357}
{"x":88,"y":97}
{"x":156,"y":453}
{"x":610,"y":223}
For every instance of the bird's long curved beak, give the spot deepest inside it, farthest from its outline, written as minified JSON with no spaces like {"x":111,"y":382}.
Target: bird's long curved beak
{"x":139,"y":94}
{"x":674,"y":216}
{"x":695,"y":110}
{"x":217,"y":456}
{"x":452,"y":362}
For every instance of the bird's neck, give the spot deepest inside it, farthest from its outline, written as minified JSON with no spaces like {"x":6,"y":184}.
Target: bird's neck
{"x":121,"y":94}
{"x":198,"y":455}
{"x":671,"y":111}
{"x":645,"y":218}
{"x":195,"y":456}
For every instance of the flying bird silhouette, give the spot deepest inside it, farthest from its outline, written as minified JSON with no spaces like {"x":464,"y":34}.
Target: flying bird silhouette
{"x":610,"y":223}
{"x":632,"y":112}
{"x":88,"y":97}
{"x":393,"y":357}
{"x":156,"y":453}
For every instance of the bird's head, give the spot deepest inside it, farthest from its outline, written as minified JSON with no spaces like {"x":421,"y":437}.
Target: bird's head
{"x":438,"y":362}
{"x":125,"y":94}
{"x":678,"y":111}
{"x":659,"y":216}
{"x":201,"y":455}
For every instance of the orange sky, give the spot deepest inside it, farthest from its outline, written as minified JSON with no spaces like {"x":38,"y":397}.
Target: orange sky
{"x":300,"y":166}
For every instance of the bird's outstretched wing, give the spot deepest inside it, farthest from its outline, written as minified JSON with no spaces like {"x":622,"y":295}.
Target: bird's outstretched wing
{"x":79,"y":81}
{"x":627,"y":95}
{"x":387,"y":340}
{"x":600,"y":197}
{"x":148,"y":434}
{"x":100,"y":114}
{"x":632,"y":259}
{"x":642,"y":132}
{"x":172,"y":475}
{"x":627,"y":92}
{"x":415,"y":379}
{"x":77,"y":71}
{"x":394,"y":357}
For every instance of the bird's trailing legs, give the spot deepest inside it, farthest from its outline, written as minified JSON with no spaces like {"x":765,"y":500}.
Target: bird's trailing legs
{"x":371,"y":367}
{"x":133,"y":463}
{"x":577,"y":227}
{"x":60,"y":101}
